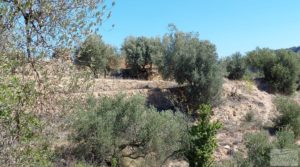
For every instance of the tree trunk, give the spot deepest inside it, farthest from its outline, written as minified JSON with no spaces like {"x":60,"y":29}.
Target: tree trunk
{"x":28,"y":35}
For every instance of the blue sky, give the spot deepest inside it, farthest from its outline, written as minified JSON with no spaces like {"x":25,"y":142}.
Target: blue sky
{"x":232,"y":25}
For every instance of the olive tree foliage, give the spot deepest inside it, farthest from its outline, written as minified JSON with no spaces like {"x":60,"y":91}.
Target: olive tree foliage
{"x":113,"y":58}
{"x":39,"y":26}
{"x":192,"y":63}
{"x":236,"y":66}
{"x":107,"y":127}
{"x":140,"y":53}
{"x":94,"y":53}
{"x":259,"y":58}
{"x":280,"y":68}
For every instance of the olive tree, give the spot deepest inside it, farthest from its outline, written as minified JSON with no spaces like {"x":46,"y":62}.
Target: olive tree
{"x":192,"y":63}
{"x":140,"y":53}
{"x":280,"y":68}
{"x":113,"y":56}
{"x":93,"y":53}
{"x":236,"y":66}
{"x":105,"y":128}
{"x":39,"y":26}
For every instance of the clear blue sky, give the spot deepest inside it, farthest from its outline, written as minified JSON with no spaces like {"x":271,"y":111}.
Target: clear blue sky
{"x":232,"y":25}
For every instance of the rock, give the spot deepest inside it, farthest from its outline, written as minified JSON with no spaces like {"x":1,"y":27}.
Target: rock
{"x":227,"y":147}
{"x":129,"y":162}
{"x":176,"y":163}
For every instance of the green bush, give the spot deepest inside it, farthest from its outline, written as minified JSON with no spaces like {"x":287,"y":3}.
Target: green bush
{"x":290,"y":115}
{"x":203,"y":139}
{"x":236,"y":66}
{"x":250,"y":116}
{"x":222,"y":63}
{"x":285,"y":139}
{"x":93,"y":53}
{"x":259,"y":147}
{"x":283,"y":75}
{"x":280,"y":68}
{"x":192,"y":63}
{"x":259,"y":58}
{"x":140,"y":53}
{"x":108,"y":126}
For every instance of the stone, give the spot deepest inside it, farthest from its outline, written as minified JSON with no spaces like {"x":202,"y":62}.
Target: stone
{"x":227,"y":147}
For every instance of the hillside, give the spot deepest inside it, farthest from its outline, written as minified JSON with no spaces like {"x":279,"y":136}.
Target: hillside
{"x":244,"y":107}
{"x":239,"y":98}
{"x":78,"y":91}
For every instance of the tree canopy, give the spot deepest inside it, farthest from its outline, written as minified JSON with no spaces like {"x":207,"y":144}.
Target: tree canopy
{"x":140,"y":53}
{"x":193,"y":63}
{"x":94,"y":53}
{"x":40,"y":26}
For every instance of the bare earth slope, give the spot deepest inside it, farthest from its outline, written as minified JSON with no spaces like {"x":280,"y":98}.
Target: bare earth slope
{"x":240,"y":98}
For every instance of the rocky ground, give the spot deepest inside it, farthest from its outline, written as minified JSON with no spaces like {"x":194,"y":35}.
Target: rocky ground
{"x":241,"y":99}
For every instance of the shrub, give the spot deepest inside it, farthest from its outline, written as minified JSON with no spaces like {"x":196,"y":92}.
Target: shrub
{"x":285,"y":139}
{"x":259,"y":58}
{"x":236,"y":66}
{"x":140,"y":53}
{"x":283,"y":75}
{"x":222,"y":63}
{"x":280,"y":68}
{"x":108,"y":126}
{"x":290,"y":115}
{"x":240,"y":161}
{"x":259,"y":147}
{"x":93,"y":54}
{"x":203,"y":140}
{"x":249,"y":117}
{"x":192,"y":63}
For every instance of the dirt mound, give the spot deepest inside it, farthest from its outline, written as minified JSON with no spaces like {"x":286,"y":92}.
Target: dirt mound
{"x":241,"y":99}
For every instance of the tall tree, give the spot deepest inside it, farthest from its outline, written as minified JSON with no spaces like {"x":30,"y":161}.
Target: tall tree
{"x":93,"y":53}
{"x":192,"y":63}
{"x":41,"y":25}
{"x":140,"y":53}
